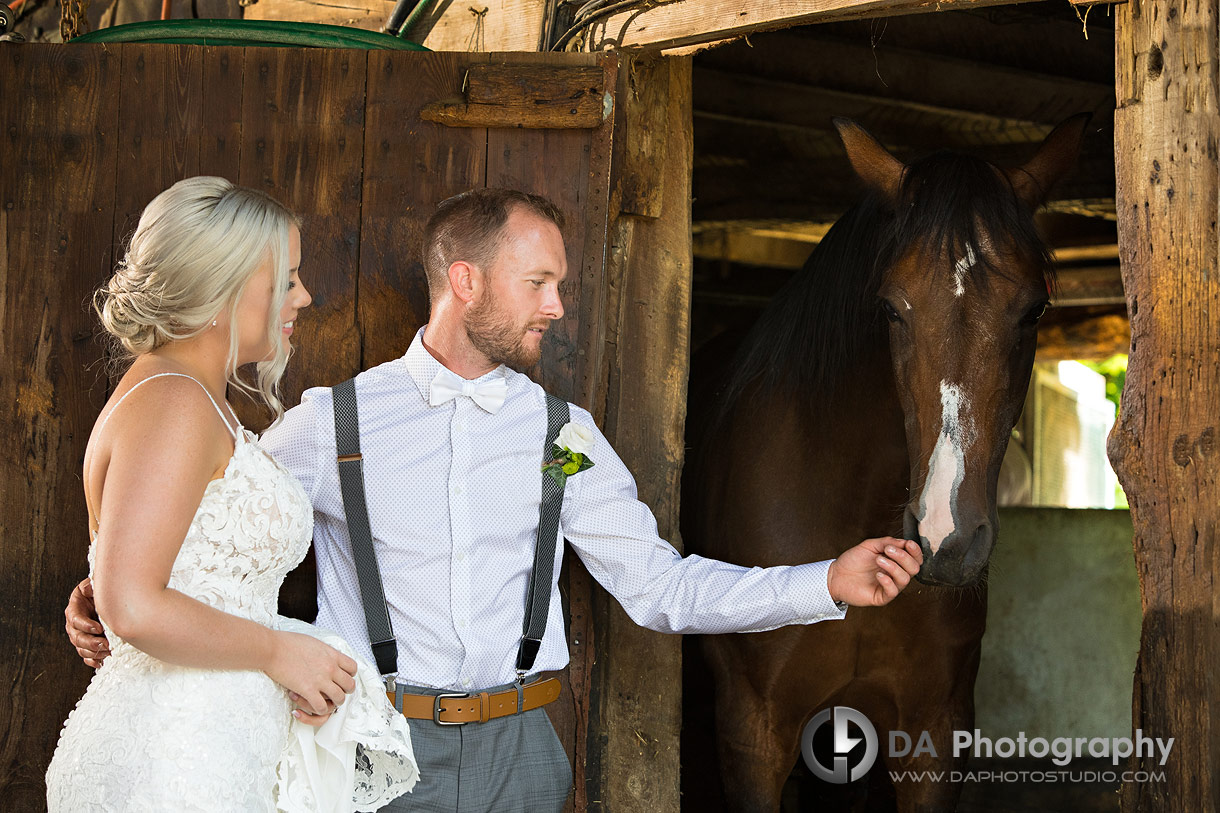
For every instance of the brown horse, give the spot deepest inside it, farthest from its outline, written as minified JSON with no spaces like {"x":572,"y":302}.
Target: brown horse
{"x":876,"y":396}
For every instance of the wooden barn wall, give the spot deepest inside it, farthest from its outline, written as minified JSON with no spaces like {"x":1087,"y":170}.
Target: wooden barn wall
{"x":91,"y":133}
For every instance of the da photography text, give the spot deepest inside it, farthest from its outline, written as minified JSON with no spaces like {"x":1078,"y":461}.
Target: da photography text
{"x":838,"y":758}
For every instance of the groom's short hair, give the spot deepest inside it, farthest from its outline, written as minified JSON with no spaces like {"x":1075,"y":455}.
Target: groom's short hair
{"x":469,"y":227}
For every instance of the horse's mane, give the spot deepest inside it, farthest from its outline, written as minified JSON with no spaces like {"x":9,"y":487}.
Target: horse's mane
{"x":815,"y":327}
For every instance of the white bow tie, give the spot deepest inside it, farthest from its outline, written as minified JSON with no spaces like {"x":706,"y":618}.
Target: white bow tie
{"x":487,"y":394}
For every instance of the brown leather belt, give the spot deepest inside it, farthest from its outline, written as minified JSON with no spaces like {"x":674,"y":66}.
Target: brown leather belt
{"x":456,"y":709}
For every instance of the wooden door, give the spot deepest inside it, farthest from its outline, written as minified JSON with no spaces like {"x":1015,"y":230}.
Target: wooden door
{"x":92,"y":133}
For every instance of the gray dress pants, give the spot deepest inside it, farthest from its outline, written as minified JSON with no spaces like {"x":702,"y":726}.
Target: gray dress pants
{"x":512,"y":764}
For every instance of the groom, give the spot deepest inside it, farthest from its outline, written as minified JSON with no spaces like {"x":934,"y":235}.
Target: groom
{"x":452,"y":441}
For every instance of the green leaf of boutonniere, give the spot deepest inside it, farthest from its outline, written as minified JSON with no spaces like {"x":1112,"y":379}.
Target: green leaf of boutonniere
{"x":565,"y":463}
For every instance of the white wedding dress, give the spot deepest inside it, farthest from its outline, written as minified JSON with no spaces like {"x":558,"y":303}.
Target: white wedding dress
{"x":151,"y":736}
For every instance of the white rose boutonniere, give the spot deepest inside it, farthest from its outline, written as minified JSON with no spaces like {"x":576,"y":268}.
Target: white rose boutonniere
{"x":570,"y":452}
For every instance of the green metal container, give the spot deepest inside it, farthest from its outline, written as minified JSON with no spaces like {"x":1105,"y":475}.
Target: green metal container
{"x":273,"y":33}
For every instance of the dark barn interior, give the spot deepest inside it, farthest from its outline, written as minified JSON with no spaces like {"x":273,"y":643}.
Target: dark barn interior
{"x":770,"y":177}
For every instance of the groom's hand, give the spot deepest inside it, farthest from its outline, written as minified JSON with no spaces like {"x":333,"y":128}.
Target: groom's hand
{"x":84,"y":629}
{"x":874,"y":572}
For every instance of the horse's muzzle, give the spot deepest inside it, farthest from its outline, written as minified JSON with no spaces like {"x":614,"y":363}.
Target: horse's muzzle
{"x":961,"y":559}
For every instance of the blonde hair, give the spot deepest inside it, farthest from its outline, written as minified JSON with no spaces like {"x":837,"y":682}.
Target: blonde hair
{"x":196,"y":247}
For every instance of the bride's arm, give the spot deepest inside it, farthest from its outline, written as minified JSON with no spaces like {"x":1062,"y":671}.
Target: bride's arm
{"x":163,"y":453}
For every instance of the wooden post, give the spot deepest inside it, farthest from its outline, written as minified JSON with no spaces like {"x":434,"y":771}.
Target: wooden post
{"x":56,"y":213}
{"x":1165,"y":451}
{"x":648,"y":333}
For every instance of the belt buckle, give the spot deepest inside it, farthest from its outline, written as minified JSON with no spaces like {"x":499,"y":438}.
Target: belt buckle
{"x":436,"y":709}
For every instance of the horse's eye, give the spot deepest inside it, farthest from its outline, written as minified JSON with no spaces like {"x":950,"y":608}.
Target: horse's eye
{"x":1034,"y":314}
{"x":890,"y":312}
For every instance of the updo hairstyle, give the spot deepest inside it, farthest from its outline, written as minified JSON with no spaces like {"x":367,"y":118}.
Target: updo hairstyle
{"x":196,"y":247}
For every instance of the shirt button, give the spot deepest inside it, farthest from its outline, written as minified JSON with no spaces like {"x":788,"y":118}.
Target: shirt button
{"x":466,"y":683}
{"x":461,"y":556}
{"x":461,"y":625}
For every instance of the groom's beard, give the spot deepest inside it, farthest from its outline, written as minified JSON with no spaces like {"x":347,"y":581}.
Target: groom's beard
{"x":494,"y":334}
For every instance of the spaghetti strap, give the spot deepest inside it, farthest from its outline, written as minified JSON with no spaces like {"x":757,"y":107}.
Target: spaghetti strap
{"x":223,"y":419}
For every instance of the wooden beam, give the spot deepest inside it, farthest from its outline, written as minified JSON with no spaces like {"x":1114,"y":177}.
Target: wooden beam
{"x":1164,"y":447}
{"x":482,"y":25}
{"x":537,"y":97}
{"x":668,"y":25}
{"x":1104,"y":251}
{"x":750,"y":248}
{"x":1083,"y":334}
{"x":821,"y":190}
{"x":896,"y":120}
{"x":370,"y":15}
{"x":1092,"y":285}
{"x":998,"y":35}
{"x":928,"y":80}
{"x":648,"y":332}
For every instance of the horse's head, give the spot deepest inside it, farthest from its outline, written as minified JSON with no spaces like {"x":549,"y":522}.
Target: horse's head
{"x":964,"y":279}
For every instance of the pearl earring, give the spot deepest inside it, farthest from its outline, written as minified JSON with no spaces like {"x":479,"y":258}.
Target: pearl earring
{"x":213,"y":323}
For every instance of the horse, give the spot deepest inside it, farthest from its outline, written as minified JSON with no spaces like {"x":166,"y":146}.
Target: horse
{"x":875,"y":396}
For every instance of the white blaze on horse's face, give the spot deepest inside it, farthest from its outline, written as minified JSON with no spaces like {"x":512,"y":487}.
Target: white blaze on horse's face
{"x":961,"y":268}
{"x":946,"y":467}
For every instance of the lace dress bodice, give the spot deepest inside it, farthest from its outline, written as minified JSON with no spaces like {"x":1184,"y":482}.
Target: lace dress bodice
{"x":253,"y":525}
{"x":153,"y":736}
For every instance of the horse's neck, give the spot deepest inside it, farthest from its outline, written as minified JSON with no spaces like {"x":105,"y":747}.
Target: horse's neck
{"x":800,"y":477}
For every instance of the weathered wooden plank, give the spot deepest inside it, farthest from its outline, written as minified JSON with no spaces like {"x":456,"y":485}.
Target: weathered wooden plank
{"x":221,"y":105}
{"x":302,"y":137}
{"x":370,"y":15}
{"x":584,"y":114}
{"x":486,"y":25}
{"x":529,"y":159}
{"x":57,"y":182}
{"x":570,"y":167}
{"x":160,"y":124}
{"x":410,"y":166}
{"x":672,"y":25}
{"x":527,"y":96}
{"x":1164,"y":447}
{"x":638,"y":187}
{"x":500,"y":83}
{"x":640,"y":712}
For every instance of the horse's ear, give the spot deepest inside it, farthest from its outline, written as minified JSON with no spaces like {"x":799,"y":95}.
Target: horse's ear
{"x":1054,"y":159}
{"x":871,"y":161}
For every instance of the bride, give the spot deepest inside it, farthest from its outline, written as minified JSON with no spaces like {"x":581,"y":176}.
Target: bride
{"x":193,"y":528}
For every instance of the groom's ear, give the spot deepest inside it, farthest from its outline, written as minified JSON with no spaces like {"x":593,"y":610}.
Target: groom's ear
{"x":465,"y":281}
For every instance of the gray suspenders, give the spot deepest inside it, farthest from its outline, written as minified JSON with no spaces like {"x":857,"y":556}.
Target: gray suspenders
{"x":372,"y":594}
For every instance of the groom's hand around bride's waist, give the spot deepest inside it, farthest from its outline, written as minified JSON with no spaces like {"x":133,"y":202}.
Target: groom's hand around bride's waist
{"x":84,"y":629}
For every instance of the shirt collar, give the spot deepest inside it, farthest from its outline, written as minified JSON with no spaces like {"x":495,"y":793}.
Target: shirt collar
{"x":423,"y":366}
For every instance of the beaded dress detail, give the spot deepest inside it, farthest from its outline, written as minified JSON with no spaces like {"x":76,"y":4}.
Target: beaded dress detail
{"x":152,"y":736}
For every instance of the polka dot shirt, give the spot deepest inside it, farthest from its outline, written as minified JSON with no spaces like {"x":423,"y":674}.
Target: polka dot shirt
{"x":453,"y":494}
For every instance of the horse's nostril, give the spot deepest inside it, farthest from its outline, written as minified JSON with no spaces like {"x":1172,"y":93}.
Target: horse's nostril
{"x":980,"y":548}
{"x":910,"y":525}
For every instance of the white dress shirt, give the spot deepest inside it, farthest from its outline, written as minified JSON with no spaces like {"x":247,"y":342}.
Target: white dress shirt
{"x":453,"y":496}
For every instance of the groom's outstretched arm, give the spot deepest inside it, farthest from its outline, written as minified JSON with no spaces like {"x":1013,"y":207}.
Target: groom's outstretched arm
{"x":615,"y":535}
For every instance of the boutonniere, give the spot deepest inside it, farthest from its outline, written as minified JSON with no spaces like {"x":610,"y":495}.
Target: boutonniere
{"x":570,"y":452}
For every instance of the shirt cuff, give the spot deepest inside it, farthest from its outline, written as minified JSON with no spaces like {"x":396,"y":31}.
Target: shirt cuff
{"x":813,"y":603}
